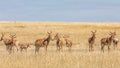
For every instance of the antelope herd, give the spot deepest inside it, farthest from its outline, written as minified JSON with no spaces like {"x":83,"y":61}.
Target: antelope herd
{"x":44,"y":42}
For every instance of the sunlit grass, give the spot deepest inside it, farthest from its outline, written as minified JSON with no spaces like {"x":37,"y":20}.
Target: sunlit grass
{"x":78,"y":58}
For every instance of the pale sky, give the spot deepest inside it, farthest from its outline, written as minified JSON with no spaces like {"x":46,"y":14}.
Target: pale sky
{"x":60,"y":10}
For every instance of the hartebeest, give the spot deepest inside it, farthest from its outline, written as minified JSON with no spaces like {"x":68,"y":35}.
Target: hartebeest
{"x":68,"y":42}
{"x":15,"y":44}
{"x":107,"y":41}
{"x":43,"y":42}
{"x":24,"y":46}
{"x":59,"y":42}
{"x":91,"y":40}
{"x":8,"y":42}
{"x":115,"y":41}
{"x":47,"y":40}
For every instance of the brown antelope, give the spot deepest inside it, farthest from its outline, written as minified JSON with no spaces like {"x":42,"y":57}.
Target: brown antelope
{"x":68,"y":42}
{"x":43,"y":42}
{"x":15,"y":44}
{"x":5,"y":40}
{"x":47,"y":40}
{"x":107,"y":41}
{"x":24,"y":47}
{"x":115,"y":41}
{"x":59,"y":42}
{"x":8,"y":42}
{"x":91,"y":40}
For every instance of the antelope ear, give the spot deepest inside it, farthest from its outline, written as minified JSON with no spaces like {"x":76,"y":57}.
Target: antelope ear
{"x":49,"y":32}
{"x":110,"y":32}
{"x":95,"y":31}
{"x":14,"y":34}
{"x":92,"y":31}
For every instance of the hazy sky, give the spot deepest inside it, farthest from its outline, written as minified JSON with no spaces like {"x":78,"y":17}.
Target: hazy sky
{"x":60,"y":10}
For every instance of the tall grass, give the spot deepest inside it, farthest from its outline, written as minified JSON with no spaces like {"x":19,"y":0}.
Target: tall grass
{"x":78,"y":58}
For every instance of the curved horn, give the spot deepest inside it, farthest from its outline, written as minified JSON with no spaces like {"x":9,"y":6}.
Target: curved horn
{"x":12,"y":35}
{"x":110,"y":32}
{"x":49,"y":32}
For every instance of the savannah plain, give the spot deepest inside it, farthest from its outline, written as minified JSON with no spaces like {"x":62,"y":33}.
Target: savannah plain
{"x":79,"y":57}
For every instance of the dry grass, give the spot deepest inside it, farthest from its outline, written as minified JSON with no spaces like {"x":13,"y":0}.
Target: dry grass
{"x":78,"y":58}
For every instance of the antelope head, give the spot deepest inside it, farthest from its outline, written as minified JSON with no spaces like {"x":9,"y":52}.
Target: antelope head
{"x":12,"y":36}
{"x":56,"y":37}
{"x":50,"y":35}
{"x":2,"y":37}
{"x":94,"y":33}
{"x":112,"y":34}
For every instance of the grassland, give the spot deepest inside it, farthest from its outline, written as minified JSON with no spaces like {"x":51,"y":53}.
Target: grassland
{"x":80,"y":57}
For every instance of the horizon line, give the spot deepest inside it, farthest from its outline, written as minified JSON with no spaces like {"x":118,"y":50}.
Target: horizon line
{"x":54,"y":22}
